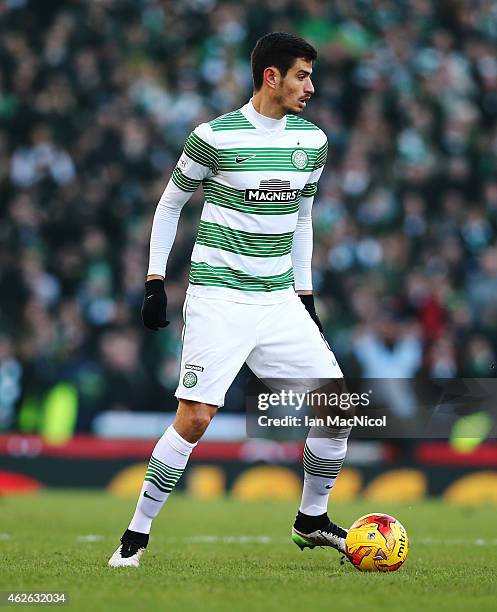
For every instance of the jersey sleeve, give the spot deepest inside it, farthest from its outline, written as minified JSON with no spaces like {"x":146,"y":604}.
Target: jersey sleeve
{"x":198,"y":161}
{"x":311,"y":186}
{"x":303,"y":238}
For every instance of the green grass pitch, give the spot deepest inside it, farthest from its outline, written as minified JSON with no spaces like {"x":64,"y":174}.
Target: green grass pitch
{"x":232,"y":555}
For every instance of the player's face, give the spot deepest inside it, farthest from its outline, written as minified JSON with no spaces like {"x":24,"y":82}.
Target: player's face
{"x":296,"y":88}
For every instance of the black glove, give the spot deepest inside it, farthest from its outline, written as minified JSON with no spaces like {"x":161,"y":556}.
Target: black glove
{"x":308,"y":301}
{"x":154,"y":305}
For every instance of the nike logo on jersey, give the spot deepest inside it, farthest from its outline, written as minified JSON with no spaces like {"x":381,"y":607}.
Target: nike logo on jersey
{"x":239,"y":159}
{"x":327,"y":486}
{"x":145,"y":494}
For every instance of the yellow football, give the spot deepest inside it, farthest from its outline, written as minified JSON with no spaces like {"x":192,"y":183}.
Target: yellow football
{"x":377,"y":543}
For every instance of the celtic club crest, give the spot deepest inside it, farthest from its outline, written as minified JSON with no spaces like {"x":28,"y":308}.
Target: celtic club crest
{"x":189,"y":379}
{"x":299,"y":159}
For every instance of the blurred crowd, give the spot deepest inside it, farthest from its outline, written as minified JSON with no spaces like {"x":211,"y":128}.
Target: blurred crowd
{"x":96,"y":100}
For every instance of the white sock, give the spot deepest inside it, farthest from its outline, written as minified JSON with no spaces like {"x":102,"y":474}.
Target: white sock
{"x":323,"y":458}
{"x":168,"y":460}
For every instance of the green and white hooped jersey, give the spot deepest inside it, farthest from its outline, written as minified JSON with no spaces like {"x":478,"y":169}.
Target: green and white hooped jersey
{"x":256,"y":173}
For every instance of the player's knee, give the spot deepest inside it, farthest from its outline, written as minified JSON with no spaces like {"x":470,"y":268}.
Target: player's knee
{"x":199,"y":417}
{"x":199,"y":422}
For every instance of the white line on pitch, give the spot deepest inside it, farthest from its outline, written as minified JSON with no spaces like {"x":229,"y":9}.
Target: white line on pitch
{"x":264,"y":539}
{"x":213,"y":539}
{"x":231,"y":539}
{"x":456,"y":541}
{"x":91,"y":537}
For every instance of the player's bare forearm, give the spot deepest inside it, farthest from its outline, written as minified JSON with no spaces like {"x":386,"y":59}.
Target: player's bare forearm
{"x":155,"y":277}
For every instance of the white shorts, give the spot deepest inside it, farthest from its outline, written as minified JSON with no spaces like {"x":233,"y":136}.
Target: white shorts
{"x":277,"y":341}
